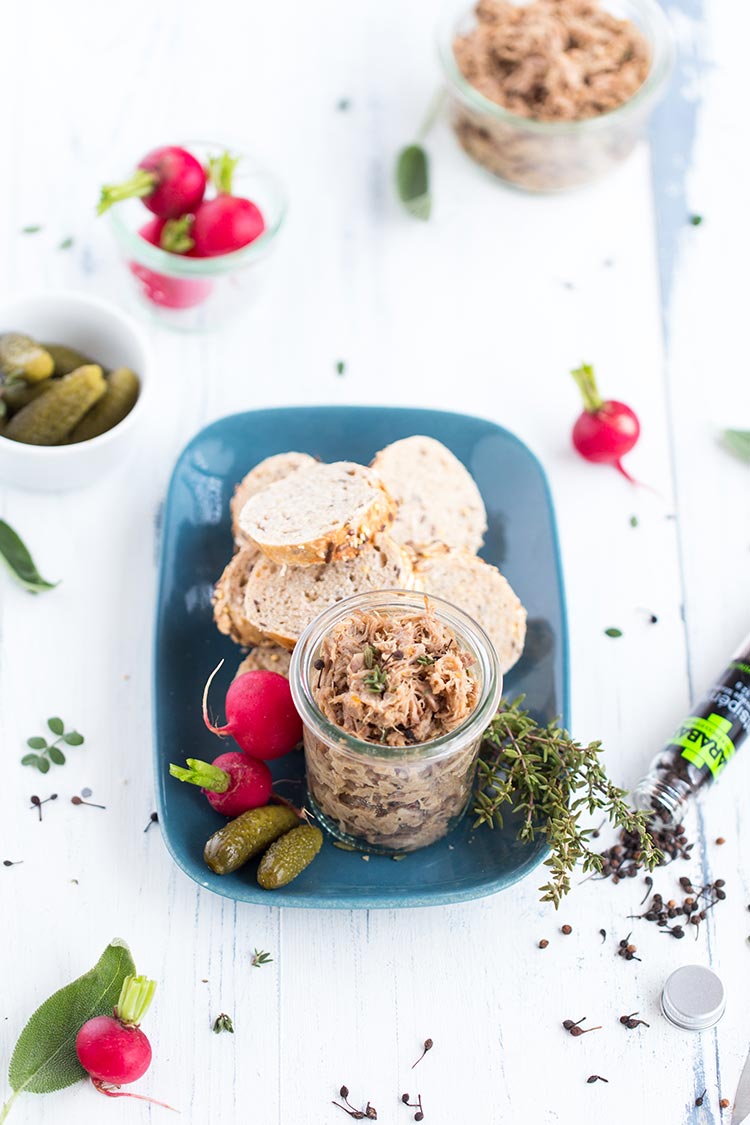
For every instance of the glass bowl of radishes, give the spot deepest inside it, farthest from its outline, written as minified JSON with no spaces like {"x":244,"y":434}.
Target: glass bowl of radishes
{"x":196,"y":224}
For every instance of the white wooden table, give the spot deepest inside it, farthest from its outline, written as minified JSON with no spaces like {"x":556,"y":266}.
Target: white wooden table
{"x":483,"y":309}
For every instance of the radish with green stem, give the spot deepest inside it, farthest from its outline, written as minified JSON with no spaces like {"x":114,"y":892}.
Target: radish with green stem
{"x":228,"y":222}
{"x":112,"y":1049}
{"x":169,"y":180}
{"x":605,"y":430}
{"x":232,"y":783}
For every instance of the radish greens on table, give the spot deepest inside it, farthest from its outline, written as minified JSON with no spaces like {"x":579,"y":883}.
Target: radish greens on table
{"x":549,"y":779}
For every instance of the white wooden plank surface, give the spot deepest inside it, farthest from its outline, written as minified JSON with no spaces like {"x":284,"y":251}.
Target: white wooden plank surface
{"x":484,"y":309}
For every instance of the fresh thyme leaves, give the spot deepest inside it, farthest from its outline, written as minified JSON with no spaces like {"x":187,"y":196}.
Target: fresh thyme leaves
{"x":260,"y":957}
{"x":223,"y":1022}
{"x":16,"y":556}
{"x":376,"y":680}
{"x":613,"y":632}
{"x":548,"y":777}
{"x":66,"y":243}
{"x":45,"y":752}
{"x":369,"y":656}
{"x":33,"y":228}
{"x":696,"y":220}
{"x":340,"y":367}
{"x":425,"y":659}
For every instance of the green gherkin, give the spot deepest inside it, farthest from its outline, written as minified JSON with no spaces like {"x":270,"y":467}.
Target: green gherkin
{"x":66,"y":359}
{"x":247,"y":835}
{"x":122,"y":391}
{"x":18,"y":395}
{"x":49,"y":418}
{"x":289,"y":856}
{"x":22,"y":358}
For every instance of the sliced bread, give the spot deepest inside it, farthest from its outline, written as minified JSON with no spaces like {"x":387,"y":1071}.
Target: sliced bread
{"x":265,"y":472}
{"x":229,"y":598}
{"x":318,"y":513}
{"x":281,"y":601}
{"x":266,"y":658}
{"x":480,"y":590}
{"x":438,"y":501}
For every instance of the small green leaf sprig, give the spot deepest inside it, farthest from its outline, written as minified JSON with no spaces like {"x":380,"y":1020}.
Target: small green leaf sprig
{"x":260,"y":957}
{"x":542,"y":773}
{"x":45,"y":753}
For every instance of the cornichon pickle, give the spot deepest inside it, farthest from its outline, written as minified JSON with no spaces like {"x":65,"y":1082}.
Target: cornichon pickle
{"x":246,"y":836}
{"x":66,"y":359}
{"x":18,"y":395}
{"x":289,"y":856}
{"x":22,"y":358}
{"x":49,"y":419}
{"x":122,"y":392}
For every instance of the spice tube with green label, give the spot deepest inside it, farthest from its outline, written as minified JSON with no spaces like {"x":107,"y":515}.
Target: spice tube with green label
{"x":704,"y":744}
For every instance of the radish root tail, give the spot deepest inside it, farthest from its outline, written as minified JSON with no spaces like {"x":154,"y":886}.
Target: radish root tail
{"x":115,"y":1092}
{"x":221,"y":731}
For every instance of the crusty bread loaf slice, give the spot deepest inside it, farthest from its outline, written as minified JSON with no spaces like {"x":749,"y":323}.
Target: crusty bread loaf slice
{"x":318,"y":513}
{"x":266,"y":658}
{"x":438,"y":501}
{"x":229,"y":598}
{"x":281,"y":601}
{"x":265,"y":472}
{"x":480,"y":590}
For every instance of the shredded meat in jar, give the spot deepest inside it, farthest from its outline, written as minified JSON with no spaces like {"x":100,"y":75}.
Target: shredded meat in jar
{"x":394,"y":680}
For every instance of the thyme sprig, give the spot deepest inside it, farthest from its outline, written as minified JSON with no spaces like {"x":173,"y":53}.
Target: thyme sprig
{"x":542,"y":773}
{"x":376,"y":680}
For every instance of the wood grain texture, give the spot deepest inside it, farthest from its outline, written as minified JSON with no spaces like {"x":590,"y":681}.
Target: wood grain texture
{"x":484,"y":309}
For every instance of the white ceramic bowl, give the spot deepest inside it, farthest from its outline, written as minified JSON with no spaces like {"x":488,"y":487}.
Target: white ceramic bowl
{"x":110,"y":337}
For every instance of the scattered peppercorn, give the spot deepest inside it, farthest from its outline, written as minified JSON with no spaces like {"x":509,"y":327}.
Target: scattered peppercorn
{"x":720,"y":840}
{"x":699,"y":1099}
{"x":428,"y":1045}
{"x":543,"y":943}
{"x":566,"y":929}
{"x":724,"y":1103}
{"x":604,"y":935}
{"x":596,"y":1078}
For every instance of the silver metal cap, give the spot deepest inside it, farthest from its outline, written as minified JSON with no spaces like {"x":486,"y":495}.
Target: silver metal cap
{"x":693,"y":998}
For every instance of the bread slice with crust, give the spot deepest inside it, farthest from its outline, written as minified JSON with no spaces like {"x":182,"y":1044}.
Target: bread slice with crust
{"x":318,"y":513}
{"x":266,"y":658}
{"x":229,"y":598}
{"x":281,"y":601}
{"x":480,"y":590}
{"x":438,"y":500}
{"x":266,"y":472}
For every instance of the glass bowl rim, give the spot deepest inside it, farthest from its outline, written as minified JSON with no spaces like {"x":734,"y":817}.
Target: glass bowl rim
{"x":656,"y":27}
{"x":436,"y":748}
{"x":177,"y":265}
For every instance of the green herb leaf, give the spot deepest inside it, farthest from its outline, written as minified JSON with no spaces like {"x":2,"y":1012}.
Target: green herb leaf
{"x":15,"y":554}
{"x":612,"y":632}
{"x":42,"y":765}
{"x":66,"y":244}
{"x":56,"y":755}
{"x":634,"y":521}
{"x":33,"y":228}
{"x":223,"y":1023}
{"x":696,"y":220}
{"x":57,"y":726}
{"x":29,"y":760}
{"x":376,"y":680}
{"x":340,"y":367}
{"x":37,"y":743}
{"x":45,"y":1056}
{"x":73,"y":738}
{"x":413,"y":181}
{"x":738,"y":442}
{"x":260,"y":957}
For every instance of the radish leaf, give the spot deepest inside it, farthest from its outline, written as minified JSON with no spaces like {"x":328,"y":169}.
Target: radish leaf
{"x":738,"y":442}
{"x":45,"y":1057}
{"x":413,"y":181}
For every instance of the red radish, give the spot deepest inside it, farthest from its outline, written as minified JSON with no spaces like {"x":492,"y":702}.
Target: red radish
{"x":169,"y":180}
{"x":261,"y":716}
{"x":113,"y":1049}
{"x":160,"y":288}
{"x":605,"y":431}
{"x":232,"y":784}
{"x":227,"y":222}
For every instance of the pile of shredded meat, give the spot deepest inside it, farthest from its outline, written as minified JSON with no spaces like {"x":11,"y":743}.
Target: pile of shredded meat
{"x":394,"y":680}
{"x":553,"y":60}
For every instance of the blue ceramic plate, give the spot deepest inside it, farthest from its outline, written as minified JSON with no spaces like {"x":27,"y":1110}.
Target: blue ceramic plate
{"x":197,"y":543}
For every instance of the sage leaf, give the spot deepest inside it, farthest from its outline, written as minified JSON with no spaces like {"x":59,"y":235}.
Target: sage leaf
{"x":57,"y":726}
{"x":413,"y":181}
{"x":738,"y":442}
{"x":15,"y":554}
{"x":37,"y":743}
{"x":45,"y":1058}
{"x":56,"y":755}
